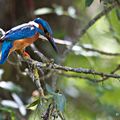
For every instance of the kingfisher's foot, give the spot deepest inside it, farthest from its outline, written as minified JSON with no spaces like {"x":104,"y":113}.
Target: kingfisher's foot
{"x":26,"y":55}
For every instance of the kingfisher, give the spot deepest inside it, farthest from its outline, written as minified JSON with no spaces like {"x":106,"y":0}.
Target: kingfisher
{"x":21,"y":36}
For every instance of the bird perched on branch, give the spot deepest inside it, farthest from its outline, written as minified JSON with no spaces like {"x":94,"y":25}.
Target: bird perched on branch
{"x":21,"y":36}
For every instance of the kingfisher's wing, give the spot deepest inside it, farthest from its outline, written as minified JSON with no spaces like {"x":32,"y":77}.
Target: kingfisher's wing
{"x":20,"y":32}
{"x":5,"y":48}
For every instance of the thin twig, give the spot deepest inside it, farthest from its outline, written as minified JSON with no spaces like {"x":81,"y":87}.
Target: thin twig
{"x":114,"y":71}
{"x":88,"y":78}
{"x":77,"y":76}
{"x":93,"y":21}
{"x":33,"y":70}
{"x":99,"y":51}
{"x":40,"y":55}
{"x":69,"y":43}
{"x":111,"y":28}
{"x":90,"y":24}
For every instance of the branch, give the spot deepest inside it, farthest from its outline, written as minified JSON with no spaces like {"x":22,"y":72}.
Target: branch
{"x":78,"y":76}
{"x":54,"y":66}
{"x":105,"y":78}
{"x":40,"y":55}
{"x":91,"y":23}
{"x":69,"y":43}
{"x":99,"y":51}
{"x":88,"y":78}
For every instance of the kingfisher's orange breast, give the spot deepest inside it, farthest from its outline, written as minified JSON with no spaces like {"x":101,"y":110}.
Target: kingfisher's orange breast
{"x":23,"y":43}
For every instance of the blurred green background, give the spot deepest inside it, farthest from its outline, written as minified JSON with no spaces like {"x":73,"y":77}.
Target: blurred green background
{"x":86,"y":100}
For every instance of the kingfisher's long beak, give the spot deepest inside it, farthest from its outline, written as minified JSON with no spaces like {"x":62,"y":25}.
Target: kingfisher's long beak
{"x":52,"y":43}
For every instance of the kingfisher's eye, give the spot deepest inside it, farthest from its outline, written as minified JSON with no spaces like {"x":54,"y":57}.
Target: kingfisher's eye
{"x":45,"y":31}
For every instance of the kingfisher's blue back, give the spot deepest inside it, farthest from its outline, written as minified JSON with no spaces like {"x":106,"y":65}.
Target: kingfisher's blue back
{"x":20,"y":33}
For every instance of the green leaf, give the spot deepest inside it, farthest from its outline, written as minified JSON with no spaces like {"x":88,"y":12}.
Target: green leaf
{"x":58,"y":98}
{"x":33,"y":104}
{"x":43,"y":11}
{"x":8,"y":110}
{"x":10,"y":86}
{"x":88,"y":2}
{"x":50,"y":90}
{"x":118,"y":14}
{"x":60,"y":101}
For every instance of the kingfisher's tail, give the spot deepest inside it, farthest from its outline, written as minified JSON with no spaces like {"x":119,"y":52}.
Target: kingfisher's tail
{"x":5,"y":48}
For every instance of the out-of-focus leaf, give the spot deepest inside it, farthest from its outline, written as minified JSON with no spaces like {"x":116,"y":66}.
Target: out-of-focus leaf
{"x":22,"y":110}
{"x":12,"y":114}
{"x":21,"y":106}
{"x":17,"y":99}
{"x":18,"y":104}
{"x":58,"y":98}
{"x":1,"y":70}
{"x":88,"y":2}
{"x":9,"y":103}
{"x":78,"y":50}
{"x":50,"y":90}
{"x":40,"y":110}
{"x":60,"y":101}
{"x":42,"y":11}
{"x":72,"y":91}
{"x":10,"y":86}
{"x":118,"y":14}
{"x":72,"y":12}
{"x":33,"y":105}
{"x":115,"y":23}
{"x":59,"y":10}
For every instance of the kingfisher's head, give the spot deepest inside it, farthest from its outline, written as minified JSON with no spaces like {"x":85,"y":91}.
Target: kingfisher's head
{"x":46,"y":31}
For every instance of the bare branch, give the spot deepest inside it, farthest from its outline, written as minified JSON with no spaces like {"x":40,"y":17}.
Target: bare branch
{"x":88,"y":78}
{"x":105,"y":78}
{"x":78,"y":76}
{"x":54,"y":66}
{"x":91,"y":23}
{"x":69,"y":43}
{"x":43,"y":58}
{"x":99,"y":51}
